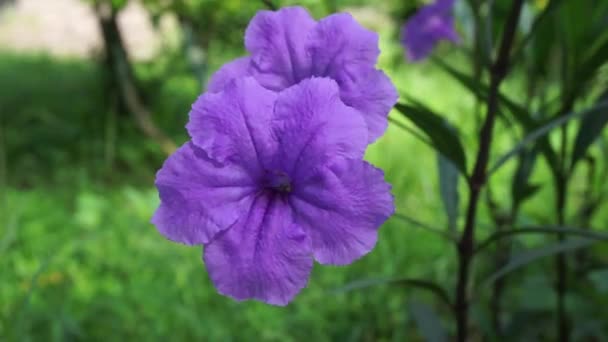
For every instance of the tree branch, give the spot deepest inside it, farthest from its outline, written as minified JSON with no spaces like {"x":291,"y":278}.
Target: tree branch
{"x":123,"y":75}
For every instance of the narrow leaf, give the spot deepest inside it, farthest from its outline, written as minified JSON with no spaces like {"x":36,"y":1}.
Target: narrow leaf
{"x":481,"y":91}
{"x":417,"y":283}
{"x":521,"y":189}
{"x":590,"y":129}
{"x":542,"y":21}
{"x":518,"y":112}
{"x":582,"y":232}
{"x":444,"y":139}
{"x":593,"y":59}
{"x":542,"y":131}
{"x":429,"y":324}
{"x":421,"y":225}
{"x":448,"y":188}
{"x":529,"y":256}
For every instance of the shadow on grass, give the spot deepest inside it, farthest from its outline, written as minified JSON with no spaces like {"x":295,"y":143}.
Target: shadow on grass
{"x":61,"y":121}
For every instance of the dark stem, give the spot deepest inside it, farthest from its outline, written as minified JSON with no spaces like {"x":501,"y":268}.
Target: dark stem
{"x":497,"y":295}
{"x":502,"y":254}
{"x":561,"y":265}
{"x":561,"y":269}
{"x":587,"y":209}
{"x":466,"y":245}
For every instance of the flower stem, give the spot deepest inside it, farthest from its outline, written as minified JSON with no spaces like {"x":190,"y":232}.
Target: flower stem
{"x":561,"y":265}
{"x":477,"y":180}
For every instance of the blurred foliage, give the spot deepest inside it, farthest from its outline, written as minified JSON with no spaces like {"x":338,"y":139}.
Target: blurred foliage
{"x":81,"y":262}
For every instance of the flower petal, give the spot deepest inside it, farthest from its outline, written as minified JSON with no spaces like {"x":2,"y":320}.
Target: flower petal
{"x":422,"y":32}
{"x":276,"y":41}
{"x":234,"y":124}
{"x":228,"y":72}
{"x":373,"y":94}
{"x":341,"y":208}
{"x":339,"y":44}
{"x":313,"y":126}
{"x":264,"y":256}
{"x":199,"y":198}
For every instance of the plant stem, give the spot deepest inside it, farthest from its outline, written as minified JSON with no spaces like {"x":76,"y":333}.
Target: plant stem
{"x":561,"y":265}
{"x":466,"y":245}
{"x":502,"y":255}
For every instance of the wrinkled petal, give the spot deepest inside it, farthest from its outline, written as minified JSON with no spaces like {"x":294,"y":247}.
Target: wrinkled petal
{"x":339,"y":44}
{"x":234,"y":124}
{"x":199,"y":198}
{"x":373,"y":94}
{"x":276,"y":41}
{"x":236,"y":69}
{"x":265,"y":256}
{"x":341,"y":208}
{"x":313,"y":126}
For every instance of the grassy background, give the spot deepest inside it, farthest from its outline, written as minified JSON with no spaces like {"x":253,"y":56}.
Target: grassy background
{"x":79,"y":259}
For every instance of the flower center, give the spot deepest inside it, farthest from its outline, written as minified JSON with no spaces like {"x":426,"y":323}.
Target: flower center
{"x":277,"y":181}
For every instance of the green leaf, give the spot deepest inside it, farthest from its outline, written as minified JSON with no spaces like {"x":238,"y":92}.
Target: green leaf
{"x":534,"y":135}
{"x":574,"y":21}
{"x":443,"y":137}
{"x":448,"y":188}
{"x":540,"y":133}
{"x":542,"y":36}
{"x":117,"y":5}
{"x":525,"y":258}
{"x":429,"y":324}
{"x":599,"y":279}
{"x":519,"y":113}
{"x":592,"y":50}
{"x":590,"y":129}
{"x":521,"y":189}
{"x":586,"y":233}
{"x":441,"y":232}
{"x":481,"y":91}
{"x":417,"y":283}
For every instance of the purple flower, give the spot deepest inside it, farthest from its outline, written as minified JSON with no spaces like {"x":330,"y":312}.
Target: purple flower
{"x":288,"y":46}
{"x":270,"y":182}
{"x":428,"y":26}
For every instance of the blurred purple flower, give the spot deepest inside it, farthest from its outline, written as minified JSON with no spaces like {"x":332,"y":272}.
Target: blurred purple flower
{"x":288,"y":46}
{"x":428,"y":26}
{"x":270,"y":182}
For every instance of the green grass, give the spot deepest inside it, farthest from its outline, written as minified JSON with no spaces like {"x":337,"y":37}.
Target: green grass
{"x":80,"y":260}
